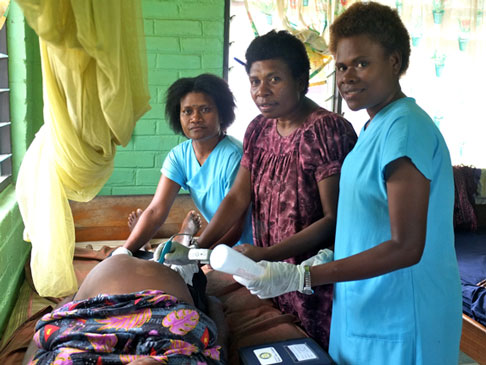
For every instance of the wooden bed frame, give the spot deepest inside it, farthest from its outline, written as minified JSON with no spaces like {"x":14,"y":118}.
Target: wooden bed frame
{"x":473,"y":339}
{"x":105,"y":218}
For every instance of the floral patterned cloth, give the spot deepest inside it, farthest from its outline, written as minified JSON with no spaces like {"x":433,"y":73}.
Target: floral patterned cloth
{"x":118,"y":329}
{"x":285,"y":172}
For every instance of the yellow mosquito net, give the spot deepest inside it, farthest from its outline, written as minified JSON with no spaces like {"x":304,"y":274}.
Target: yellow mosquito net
{"x":3,"y":11}
{"x":94,"y":73}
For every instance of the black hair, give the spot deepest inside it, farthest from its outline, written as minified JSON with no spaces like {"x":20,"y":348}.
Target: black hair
{"x":208,"y":84}
{"x":380,"y":22}
{"x":280,"y":45}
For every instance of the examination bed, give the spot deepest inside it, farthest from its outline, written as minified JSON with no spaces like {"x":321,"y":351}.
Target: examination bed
{"x":101,"y":225}
{"x":471,"y":256}
{"x":470,"y":244}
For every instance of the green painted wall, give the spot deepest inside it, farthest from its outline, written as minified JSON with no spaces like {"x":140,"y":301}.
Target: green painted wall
{"x":184,"y":38}
{"x":25,"y":85}
{"x":14,"y":252}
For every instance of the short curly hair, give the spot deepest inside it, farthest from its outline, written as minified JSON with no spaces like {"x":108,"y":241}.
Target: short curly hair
{"x":284,"y":46}
{"x":208,"y":84}
{"x":380,"y":22}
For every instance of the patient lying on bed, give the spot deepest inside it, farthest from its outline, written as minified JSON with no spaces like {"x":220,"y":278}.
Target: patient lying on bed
{"x":145,"y":314}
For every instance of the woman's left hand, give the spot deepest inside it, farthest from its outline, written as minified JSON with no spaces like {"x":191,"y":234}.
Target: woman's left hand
{"x":253,"y":252}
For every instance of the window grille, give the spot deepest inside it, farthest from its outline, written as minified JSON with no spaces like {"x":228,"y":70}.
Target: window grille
{"x":5,"y":141}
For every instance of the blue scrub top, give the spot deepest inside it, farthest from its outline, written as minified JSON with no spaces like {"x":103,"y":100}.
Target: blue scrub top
{"x":411,"y":315}
{"x":208,"y":184}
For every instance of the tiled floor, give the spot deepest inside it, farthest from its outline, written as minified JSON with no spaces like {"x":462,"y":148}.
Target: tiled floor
{"x":466,"y":360}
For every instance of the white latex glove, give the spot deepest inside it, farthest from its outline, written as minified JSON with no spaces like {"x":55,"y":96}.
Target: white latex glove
{"x":278,"y":278}
{"x":323,"y":256}
{"x":122,"y":251}
{"x":186,"y":271}
{"x":176,"y":256}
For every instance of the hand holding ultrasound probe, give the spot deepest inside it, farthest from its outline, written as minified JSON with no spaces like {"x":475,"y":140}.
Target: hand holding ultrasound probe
{"x":222,"y":258}
{"x":259,"y":278}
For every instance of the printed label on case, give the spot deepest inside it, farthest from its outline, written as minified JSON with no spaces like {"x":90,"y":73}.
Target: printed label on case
{"x":267,"y":356}
{"x":302,"y":352}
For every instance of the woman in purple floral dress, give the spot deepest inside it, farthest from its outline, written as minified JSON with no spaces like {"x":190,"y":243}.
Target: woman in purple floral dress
{"x":289,"y":173}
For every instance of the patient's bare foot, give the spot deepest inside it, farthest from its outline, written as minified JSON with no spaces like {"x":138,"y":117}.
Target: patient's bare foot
{"x":133,"y":218}
{"x":191,"y":225}
{"x":482,"y":283}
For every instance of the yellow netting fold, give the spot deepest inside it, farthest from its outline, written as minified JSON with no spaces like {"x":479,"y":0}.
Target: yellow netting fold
{"x":3,"y":11}
{"x":95,"y":88}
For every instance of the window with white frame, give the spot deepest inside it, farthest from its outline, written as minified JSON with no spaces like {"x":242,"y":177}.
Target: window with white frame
{"x":448,"y":39}
{"x":242,"y":30}
{"x":5,"y":142}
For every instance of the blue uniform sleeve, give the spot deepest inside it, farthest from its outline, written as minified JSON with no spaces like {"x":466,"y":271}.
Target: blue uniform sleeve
{"x":411,"y":136}
{"x":173,"y":167}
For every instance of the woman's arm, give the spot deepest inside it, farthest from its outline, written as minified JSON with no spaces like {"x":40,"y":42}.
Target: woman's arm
{"x":155,"y":214}
{"x":318,"y":235}
{"x":234,"y":233}
{"x":230,"y":211}
{"x":408,"y":198}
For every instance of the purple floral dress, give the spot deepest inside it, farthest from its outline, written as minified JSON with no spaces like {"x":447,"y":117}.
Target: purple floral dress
{"x":285,"y":196}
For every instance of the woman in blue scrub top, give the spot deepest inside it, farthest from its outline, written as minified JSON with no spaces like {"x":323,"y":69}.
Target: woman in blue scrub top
{"x":397,"y":297}
{"x":201,"y":108}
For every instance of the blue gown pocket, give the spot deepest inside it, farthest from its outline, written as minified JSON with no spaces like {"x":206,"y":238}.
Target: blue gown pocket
{"x":381,"y":307}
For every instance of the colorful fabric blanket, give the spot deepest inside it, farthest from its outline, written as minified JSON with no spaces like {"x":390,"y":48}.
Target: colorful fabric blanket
{"x":118,"y":329}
